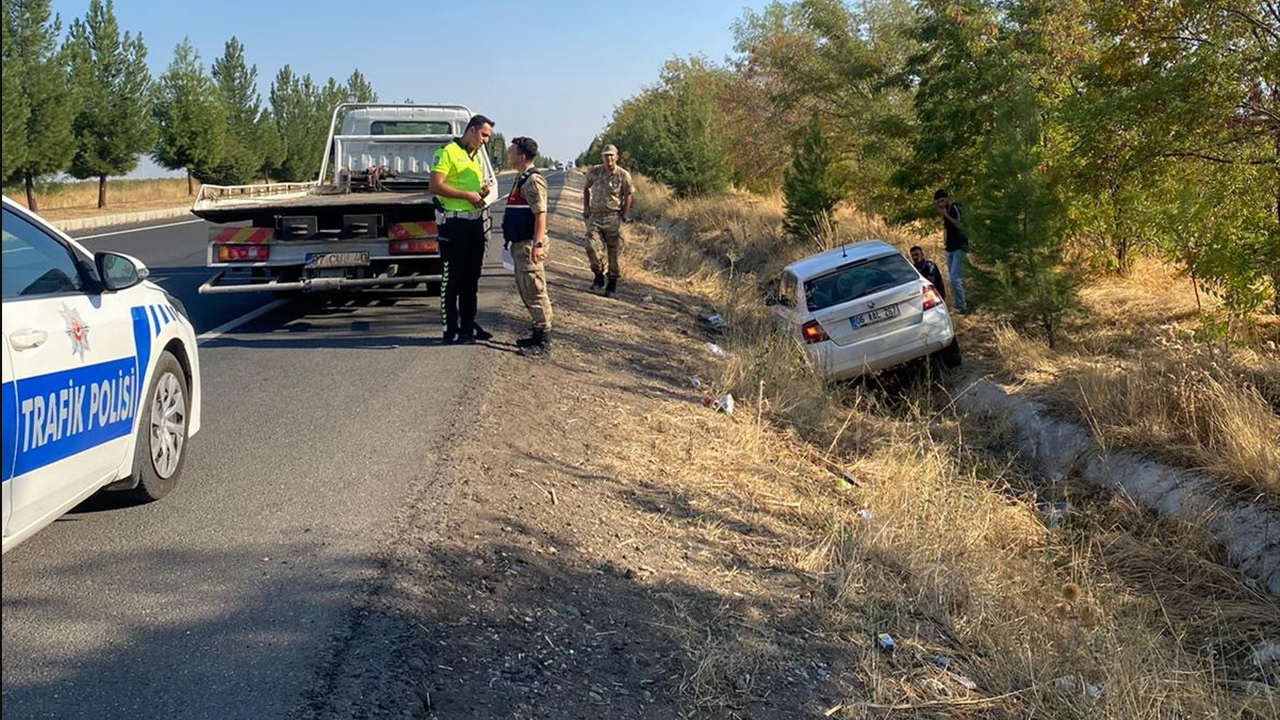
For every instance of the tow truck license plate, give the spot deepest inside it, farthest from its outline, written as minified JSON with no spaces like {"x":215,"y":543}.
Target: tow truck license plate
{"x":337,"y":260}
{"x":866,"y":318}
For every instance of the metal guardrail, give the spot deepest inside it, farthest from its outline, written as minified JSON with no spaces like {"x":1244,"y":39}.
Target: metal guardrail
{"x":217,"y":193}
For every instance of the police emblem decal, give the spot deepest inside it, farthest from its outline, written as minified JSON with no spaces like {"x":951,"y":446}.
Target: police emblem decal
{"x":77,"y":330}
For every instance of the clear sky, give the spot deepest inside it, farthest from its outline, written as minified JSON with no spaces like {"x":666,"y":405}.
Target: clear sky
{"x":550,"y":69}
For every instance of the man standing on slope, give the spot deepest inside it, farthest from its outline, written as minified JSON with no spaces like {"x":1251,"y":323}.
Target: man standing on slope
{"x":524,"y":228}
{"x":606,"y":204}
{"x":956,"y":245}
{"x":457,"y":181}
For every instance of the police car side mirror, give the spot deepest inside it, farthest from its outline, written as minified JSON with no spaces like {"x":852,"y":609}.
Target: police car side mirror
{"x":119,"y":271}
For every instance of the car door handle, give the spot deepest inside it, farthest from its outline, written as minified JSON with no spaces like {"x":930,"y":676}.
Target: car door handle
{"x":28,"y":339}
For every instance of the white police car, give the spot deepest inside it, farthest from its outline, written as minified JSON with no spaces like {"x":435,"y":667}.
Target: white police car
{"x":101,"y":377}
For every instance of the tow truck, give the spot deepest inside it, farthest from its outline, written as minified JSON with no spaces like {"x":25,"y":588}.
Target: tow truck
{"x":367,"y":221}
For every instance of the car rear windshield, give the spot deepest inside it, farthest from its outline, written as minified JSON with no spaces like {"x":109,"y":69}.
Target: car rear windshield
{"x":386,"y":127}
{"x":858,"y":279}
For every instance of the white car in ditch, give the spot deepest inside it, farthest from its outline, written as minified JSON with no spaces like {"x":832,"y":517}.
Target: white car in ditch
{"x":862,"y":308}
{"x":101,"y":377}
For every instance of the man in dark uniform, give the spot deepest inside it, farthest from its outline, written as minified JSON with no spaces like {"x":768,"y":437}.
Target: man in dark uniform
{"x":928,"y":269}
{"x":457,"y":181}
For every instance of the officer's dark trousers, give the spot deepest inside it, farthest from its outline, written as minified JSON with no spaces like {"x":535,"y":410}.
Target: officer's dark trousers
{"x":462,"y":250}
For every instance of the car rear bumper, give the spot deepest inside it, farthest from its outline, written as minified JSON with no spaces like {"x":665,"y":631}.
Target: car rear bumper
{"x":842,"y":362}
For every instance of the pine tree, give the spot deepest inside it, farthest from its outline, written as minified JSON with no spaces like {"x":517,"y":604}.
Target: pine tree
{"x":1018,"y":222}
{"x":191,"y":116}
{"x":810,"y":187}
{"x":701,"y":164}
{"x":359,"y":89}
{"x":16,"y":112}
{"x":113,"y":87}
{"x":237,"y":83}
{"x":270,"y":145}
{"x":40,"y":78}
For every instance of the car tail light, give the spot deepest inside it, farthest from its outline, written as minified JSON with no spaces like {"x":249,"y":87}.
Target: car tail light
{"x":813,"y":332}
{"x":931,"y":297}
{"x":416,"y":246}
{"x":243,"y":253}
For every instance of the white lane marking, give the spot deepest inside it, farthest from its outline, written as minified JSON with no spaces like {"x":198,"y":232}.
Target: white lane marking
{"x":133,"y":230}
{"x":230,"y":325}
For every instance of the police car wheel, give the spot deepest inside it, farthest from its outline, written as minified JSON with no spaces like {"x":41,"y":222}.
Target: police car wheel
{"x":162,"y":444}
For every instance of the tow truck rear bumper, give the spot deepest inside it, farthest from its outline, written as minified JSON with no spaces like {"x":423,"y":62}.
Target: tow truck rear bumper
{"x":215,"y":286}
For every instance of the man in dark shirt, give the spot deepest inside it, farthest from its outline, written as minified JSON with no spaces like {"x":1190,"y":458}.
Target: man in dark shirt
{"x":929,"y":270}
{"x":956,"y":244}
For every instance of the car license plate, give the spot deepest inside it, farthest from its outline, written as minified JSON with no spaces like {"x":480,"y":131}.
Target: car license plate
{"x":337,"y":260}
{"x":873,"y":316}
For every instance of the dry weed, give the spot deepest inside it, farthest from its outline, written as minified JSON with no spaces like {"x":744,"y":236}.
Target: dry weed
{"x":928,"y":530}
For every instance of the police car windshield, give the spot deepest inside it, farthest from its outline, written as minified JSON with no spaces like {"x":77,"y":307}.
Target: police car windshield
{"x":34,"y":263}
{"x":857,"y":280}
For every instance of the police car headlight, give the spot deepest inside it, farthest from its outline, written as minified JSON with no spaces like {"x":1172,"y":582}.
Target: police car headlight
{"x":177,"y":305}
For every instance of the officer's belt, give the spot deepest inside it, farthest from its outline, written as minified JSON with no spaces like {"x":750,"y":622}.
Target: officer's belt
{"x":462,"y":215}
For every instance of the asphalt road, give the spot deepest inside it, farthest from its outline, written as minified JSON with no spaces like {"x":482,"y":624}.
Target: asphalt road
{"x":220,"y":601}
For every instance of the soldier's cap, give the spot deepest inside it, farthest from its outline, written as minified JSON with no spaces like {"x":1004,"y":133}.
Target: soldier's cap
{"x":609,"y":150}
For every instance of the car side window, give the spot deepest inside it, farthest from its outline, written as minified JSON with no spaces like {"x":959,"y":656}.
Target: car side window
{"x":34,"y":263}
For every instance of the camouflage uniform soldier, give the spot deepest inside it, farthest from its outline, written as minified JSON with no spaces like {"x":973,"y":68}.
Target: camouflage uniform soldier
{"x":524,"y":228}
{"x":606,"y":204}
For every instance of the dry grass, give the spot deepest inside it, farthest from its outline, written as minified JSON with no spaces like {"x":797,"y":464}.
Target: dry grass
{"x":954,"y":559}
{"x":1131,"y":366}
{"x":60,"y":201}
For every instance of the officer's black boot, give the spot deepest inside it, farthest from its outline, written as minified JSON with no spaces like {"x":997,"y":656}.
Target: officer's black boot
{"x":480,"y":333}
{"x":534,"y":339}
{"x":612,"y":288}
{"x":598,"y":282}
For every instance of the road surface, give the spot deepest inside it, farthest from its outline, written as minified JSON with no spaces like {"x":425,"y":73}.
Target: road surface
{"x":223,"y":600}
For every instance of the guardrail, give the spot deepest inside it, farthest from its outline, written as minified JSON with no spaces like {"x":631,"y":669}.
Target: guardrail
{"x":216,"y":193}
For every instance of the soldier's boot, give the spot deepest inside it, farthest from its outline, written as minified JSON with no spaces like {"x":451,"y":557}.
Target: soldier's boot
{"x":612,"y":288}
{"x":534,"y":339}
{"x":598,"y":282}
{"x":541,"y":348}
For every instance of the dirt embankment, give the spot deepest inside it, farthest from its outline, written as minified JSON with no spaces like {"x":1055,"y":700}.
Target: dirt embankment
{"x":615,"y":549}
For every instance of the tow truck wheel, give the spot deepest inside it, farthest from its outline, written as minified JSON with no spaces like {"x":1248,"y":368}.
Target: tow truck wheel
{"x":161,"y":450}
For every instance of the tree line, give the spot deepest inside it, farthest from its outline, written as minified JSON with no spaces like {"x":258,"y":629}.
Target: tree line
{"x":1080,"y":134}
{"x":89,"y":106}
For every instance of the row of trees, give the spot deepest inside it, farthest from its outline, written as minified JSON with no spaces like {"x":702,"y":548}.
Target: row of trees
{"x":90,"y":107}
{"x":1080,"y":133}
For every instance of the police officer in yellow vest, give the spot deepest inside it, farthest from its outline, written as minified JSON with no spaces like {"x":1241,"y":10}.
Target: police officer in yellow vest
{"x":606,"y":203}
{"x":457,"y":181}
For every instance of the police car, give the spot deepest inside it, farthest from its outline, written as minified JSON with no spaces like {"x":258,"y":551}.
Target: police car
{"x":101,"y":385}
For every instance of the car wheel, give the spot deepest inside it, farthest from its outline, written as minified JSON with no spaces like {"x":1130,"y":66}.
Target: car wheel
{"x":950,"y":355}
{"x":161,"y":449}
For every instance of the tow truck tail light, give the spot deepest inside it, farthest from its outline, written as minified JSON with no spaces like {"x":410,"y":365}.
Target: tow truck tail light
{"x":931,"y":297}
{"x":813,"y":332}
{"x":414,"y":246}
{"x":243,"y":253}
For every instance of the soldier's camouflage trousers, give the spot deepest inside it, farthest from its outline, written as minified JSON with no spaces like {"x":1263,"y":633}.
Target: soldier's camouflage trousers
{"x":609,"y":227}
{"x":531,"y":282}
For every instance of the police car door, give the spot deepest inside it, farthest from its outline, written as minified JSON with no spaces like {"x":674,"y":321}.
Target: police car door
{"x":8,"y":429}
{"x":74,"y":370}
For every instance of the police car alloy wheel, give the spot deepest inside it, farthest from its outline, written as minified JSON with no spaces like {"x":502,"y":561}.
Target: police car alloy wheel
{"x":162,"y":442}
{"x":168,"y":425}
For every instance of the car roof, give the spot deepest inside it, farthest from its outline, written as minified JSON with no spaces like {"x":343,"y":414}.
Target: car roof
{"x":812,"y":265}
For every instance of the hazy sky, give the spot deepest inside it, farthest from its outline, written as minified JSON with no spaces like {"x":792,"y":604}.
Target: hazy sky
{"x":550,"y":69}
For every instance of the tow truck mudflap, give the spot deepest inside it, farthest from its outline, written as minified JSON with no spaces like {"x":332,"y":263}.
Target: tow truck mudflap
{"x":214,"y":285}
